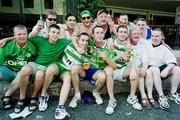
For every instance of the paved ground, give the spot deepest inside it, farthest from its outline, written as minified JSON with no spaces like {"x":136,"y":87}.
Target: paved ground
{"x":97,"y":112}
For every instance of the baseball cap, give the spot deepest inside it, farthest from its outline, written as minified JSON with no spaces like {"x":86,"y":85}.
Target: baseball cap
{"x":85,"y":12}
{"x":102,"y":11}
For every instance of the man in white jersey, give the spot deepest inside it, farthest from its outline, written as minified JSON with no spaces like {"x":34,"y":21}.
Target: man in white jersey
{"x":163,"y":63}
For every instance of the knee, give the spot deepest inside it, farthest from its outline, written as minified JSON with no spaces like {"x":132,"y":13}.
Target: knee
{"x":108,"y":70}
{"x":26,"y":70}
{"x":52,"y":70}
{"x":39,"y":75}
{"x":155,"y":70}
{"x":101,"y":76}
{"x":148,"y":73}
{"x":75,"y":69}
{"x":176,"y":70}
{"x":67,"y":79}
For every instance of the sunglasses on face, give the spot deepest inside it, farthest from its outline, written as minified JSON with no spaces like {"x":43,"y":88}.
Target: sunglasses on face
{"x":84,"y":18}
{"x":72,"y":20}
{"x":52,"y":19}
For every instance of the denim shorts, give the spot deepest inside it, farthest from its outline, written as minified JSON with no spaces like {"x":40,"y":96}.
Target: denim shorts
{"x":7,"y":74}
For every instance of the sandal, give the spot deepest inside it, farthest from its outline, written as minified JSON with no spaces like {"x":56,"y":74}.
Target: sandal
{"x":154,"y":103}
{"x":6,"y":101}
{"x":33,"y":104}
{"x":146,"y":104}
{"x":19,"y":106}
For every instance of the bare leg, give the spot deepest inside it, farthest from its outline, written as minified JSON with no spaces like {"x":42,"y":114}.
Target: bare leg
{"x":75,"y":77}
{"x":66,"y":77}
{"x":50,"y":72}
{"x":157,"y":80}
{"x":109,"y":82}
{"x":99,"y":77}
{"x":175,"y":72}
{"x":38,"y":82}
{"x":25,"y":73}
{"x":149,"y":83}
{"x":13,"y":87}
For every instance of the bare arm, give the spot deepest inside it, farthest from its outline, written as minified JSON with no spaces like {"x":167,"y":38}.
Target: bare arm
{"x":165,"y":72}
{"x":3,"y":41}
{"x":37,"y":28}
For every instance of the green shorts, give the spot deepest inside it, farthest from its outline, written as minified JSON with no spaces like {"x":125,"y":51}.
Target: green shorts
{"x":61,"y":68}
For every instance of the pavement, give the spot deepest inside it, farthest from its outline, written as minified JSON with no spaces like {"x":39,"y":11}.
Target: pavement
{"x":123,"y":111}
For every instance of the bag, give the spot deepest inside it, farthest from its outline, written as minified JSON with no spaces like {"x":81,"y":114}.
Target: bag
{"x":87,"y":97}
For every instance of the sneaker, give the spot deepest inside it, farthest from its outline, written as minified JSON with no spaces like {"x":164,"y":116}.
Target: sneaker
{"x":75,"y":100}
{"x":97,"y":97}
{"x":175,"y":97}
{"x":110,"y":107}
{"x":42,"y":104}
{"x":61,"y":113}
{"x":134,"y":102}
{"x":163,"y":102}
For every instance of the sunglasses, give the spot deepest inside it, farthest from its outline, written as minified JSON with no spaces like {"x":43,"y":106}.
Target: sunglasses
{"x":84,"y":18}
{"x":51,"y":19}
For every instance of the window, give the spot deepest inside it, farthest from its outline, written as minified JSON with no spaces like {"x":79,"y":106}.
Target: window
{"x":28,"y":3}
{"x":6,"y":3}
{"x":48,"y":4}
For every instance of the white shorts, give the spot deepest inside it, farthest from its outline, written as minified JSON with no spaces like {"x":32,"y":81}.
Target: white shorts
{"x":36,"y":67}
{"x":118,"y":74}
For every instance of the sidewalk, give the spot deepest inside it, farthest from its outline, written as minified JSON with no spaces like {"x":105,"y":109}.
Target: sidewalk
{"x":123,"y":111}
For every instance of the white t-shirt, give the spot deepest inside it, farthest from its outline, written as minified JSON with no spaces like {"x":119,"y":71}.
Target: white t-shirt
{"x":160,"y":55}
{"x":141,"y":51}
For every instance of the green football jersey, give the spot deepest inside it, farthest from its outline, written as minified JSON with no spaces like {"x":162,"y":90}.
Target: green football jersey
{"x":49,"y":53}
{"x":15,"y":57}
{"x":121,"y":49}
{"x":70,"y":57}
{"x":93,"y":57}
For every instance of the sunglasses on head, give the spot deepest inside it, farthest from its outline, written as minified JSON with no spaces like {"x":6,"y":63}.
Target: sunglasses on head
{"x":84,"y":18}
{"x":51,"y":19}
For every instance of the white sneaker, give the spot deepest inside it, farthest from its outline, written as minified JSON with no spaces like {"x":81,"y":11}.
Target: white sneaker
{"x":110,"y":107}
{"x":75,"y":100}
{"x":43,"y":102}
{"x":97,"y":98}
{"x":163,"y":102}
{"x":175,"y":97}
{"x":61,"y":113}
{"x":134,"y":102}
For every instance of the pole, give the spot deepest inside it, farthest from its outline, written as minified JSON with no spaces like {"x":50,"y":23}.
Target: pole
{"x":41,"y":11}
{"x":21,"y":5}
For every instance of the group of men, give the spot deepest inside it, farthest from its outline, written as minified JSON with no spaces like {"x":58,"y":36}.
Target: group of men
{"x":99,"y":52}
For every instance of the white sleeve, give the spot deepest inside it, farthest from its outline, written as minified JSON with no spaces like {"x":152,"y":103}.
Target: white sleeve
{"x":170,"y":57}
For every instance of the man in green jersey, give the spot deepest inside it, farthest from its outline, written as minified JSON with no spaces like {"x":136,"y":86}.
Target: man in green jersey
{"x":14,"y":55}
{"x":93,"y":70}
{"x":126,"y":65}
{"x":49,"y":51}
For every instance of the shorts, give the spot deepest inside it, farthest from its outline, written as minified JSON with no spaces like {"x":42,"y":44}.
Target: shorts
{"x":7,"y":74}
{"x":118,"y":75}
{"x":36,"y":67}
{"x":61,"y":69}
{"x":161,"y":68}
{"x":89,"y":75}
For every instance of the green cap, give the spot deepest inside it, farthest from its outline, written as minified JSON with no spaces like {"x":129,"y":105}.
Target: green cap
{"x":85,"y":12}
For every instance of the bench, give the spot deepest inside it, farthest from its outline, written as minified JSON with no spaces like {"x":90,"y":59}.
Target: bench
{"x":54,"y":88}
